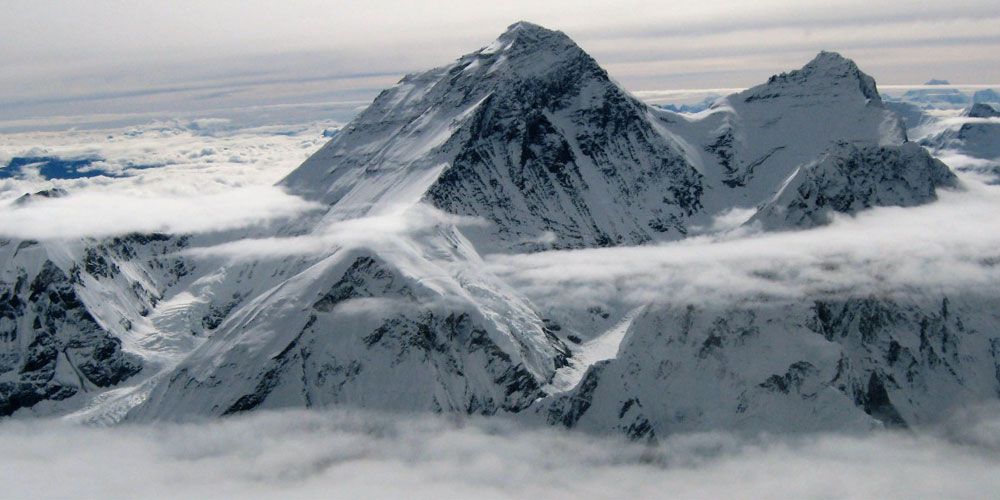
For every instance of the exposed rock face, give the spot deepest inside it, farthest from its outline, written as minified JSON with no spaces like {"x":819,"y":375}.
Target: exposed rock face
{"x":530,"y":138}
{"x":852,"y":178}
{"x":51,"y":347}
{"x":751,"y":142}
{"x":358,"y":330}
{"x":982,"y":110}
{"x":47,"y":193}
{"x":529,"y":134}
{"x":829,"y":75}
{"x":69,"y":310}
{"x":811,"y":365}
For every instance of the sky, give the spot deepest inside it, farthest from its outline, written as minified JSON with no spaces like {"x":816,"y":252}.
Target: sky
{"x":114,"y":58}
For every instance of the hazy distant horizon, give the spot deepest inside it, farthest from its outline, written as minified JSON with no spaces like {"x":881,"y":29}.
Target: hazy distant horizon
{"x":341,"y":112}
{"x":75,"y":59}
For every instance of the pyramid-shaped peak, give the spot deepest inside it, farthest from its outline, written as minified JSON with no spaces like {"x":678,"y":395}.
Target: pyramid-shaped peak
{"x":524,"y":37}
{"x":827,"y":71}
{"x":833,"y":66}
{"x":529,"y":51}
{"x":527,"y":27}
{"x":530,"y":31}
{"x":827,"y":58}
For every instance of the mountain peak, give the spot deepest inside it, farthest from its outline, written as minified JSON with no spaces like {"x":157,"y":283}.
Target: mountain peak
{"x":833,"y":65}
{"x":523,"y":38}
{"x":526,"y":27}
{"x":827,"y":58}
{"x":825,"y":73}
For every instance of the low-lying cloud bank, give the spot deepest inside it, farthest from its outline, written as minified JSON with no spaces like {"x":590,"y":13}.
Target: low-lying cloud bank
{"x":179,"y":176}
{"x":300,"y":454}
{"x":98,"y":214}
{"x":950,"y":245}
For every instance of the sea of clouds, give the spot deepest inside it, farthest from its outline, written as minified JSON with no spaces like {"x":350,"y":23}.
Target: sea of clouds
{"x":344,"y":454}
{"x":187,"y":176}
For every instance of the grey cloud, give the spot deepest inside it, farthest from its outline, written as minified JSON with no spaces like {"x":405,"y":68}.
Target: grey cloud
{"x":344,"y":454}
{"x":293,"y":54}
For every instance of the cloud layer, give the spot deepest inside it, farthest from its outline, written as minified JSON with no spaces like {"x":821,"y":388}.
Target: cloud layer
{"x":351,"y":455}
{"x":192,"y":176}
{"x":950,"y":245}
{"x":104,"y":57}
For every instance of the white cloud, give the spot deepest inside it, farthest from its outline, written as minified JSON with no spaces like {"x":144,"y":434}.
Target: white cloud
{"x":341,"y":454}
{"x":204,"y":175}
{"x":400,"y":226}
{"x":952,"y":245}
{"x":97,"y":214}
{"x":948,"y":121}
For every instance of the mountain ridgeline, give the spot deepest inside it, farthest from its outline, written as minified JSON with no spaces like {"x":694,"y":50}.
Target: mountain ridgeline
{"x":525,"y":145}
{"x":529,"y":134}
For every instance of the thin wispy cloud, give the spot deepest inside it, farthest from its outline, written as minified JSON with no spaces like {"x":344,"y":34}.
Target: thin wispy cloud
{"x":147,"y":55}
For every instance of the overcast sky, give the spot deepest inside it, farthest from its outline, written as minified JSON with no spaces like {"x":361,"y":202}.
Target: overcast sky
{"x":73,"y":58}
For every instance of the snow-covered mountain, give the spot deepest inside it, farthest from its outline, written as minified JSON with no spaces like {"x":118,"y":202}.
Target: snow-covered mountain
{"x":404,"y":325}
{"x":528,"y":133}
{"x":531,"y":135}
{"x":852,"y":178}
{"x":974,"y":135}
{"x":751,"y":142}
{"x":816,"y":364}
{"x":522,"y":146}
{"x":978,"y":136}
{"x":72,"y":313}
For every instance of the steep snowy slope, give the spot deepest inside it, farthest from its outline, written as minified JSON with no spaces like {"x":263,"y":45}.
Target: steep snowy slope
{"x":849,"y":179}
{"x":73,"y":314}
{"x":401,"y":325}
{"x":818,"y":364}
{"x":522,"y":146}
{"x":531,"y":135}
{"x":749,"y":143}
{"x":528,"y":133}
